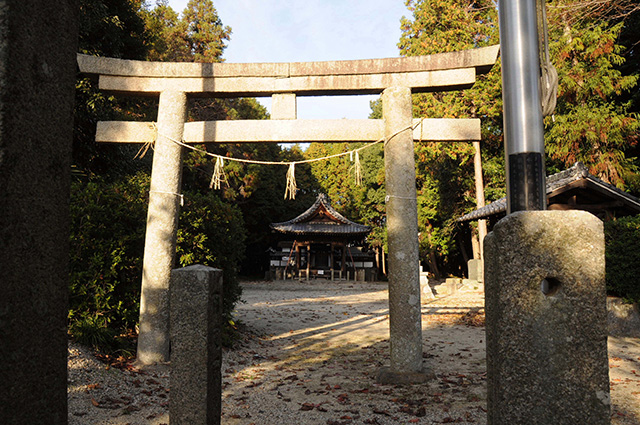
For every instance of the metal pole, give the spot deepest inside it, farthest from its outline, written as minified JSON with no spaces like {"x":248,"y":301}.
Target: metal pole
{"x":523,"y":127}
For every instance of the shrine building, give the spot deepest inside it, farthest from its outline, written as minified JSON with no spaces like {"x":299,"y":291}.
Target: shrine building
{"x":322,"y":243}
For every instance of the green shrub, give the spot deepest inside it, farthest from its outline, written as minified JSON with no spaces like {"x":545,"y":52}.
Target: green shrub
{"x":212,"y":233}
{"x":93,"y":331}
{"x":107,"y":242}
{"x":622,"y":241}
{"x":108,"y":222}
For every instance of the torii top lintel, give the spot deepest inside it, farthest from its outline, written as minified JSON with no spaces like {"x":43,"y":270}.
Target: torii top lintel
{"x":439,"y":72}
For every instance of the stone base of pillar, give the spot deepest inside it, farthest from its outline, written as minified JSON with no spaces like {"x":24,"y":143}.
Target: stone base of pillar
{"x":386,"y":376}
{"x":546,"y":320}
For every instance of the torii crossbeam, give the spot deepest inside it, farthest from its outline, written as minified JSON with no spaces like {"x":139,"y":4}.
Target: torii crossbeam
{"x":395,"y":78}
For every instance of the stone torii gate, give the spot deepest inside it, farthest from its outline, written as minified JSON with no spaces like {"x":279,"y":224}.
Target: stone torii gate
{"x":395,"y":78}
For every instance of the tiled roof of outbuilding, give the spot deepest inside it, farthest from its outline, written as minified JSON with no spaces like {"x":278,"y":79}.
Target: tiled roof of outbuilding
{"x":555,"y":183}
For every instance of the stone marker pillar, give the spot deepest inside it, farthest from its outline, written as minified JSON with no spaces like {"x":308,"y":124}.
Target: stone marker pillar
{"x":37,"y":83}
{"x":196,"y":350}
{"x":546,"y":320}
{"x":475,"y":269}
{"x":162,"y":228}
{"x":405,"y":325}
{"x":426,"y":294}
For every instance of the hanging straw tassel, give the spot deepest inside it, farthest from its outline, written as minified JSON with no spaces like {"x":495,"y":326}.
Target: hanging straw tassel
{"x":148,"y":144}
{"x":291,"y":182}
{"x":218,"y":174}
{"x":357,"y":168}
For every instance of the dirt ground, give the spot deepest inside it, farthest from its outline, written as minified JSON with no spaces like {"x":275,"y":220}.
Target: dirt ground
{"x":309,"y":354}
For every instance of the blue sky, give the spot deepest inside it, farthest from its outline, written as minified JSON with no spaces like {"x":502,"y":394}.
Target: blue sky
{"x":312,"y":30}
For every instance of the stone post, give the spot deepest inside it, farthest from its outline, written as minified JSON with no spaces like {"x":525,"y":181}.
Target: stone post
{"x":196,"y":350}
{"x":38,"y":42}
{"x":426,"y":294}
{"x":546,"y":320}
{"x":162,"y":228}
{"x":402,"y":229}
{"x":284,"y":106}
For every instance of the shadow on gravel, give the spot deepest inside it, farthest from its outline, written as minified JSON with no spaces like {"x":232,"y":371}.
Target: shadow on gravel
{"x":313,"y":352}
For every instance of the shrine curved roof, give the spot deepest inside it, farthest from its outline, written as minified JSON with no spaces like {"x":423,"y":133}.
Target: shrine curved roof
{"x":321,"y":219}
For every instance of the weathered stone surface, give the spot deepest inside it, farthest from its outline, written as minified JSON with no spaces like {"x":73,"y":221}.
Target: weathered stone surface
{"x":37,"y":79}
{"x":474,"y":267}
{"x":453,"y":79}
{"x":196,"y":350}
{"x":284,"y":131}
{"x":469,"y":285}
{"x":623,"y":318}
{"x":405,"y":325}
{"x":445,"y":71}
{"x":482,"y":59}
{"x":284,"y":106}
{"x":162,"y":228}
{"x":279,"y":131}
{"x":388,"y":376}
{"x":125,"y":132}
{"x":449,"y":287}
{"x":452,"y":284}
{"x":546,"y":342}
{"x":426,"y":294}
{"x":446,"y":129}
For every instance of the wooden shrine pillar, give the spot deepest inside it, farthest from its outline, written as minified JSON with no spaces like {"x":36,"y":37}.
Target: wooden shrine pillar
{"x":308,"y":259}
{"x":344,"y":259}
{"x":162,"y":229}
{"x":332,"y":262}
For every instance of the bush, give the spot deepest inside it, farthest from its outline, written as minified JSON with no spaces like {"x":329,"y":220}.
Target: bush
{"x":212,"y":233}
{"x":622,"y":241}
{"x":107,"y":244}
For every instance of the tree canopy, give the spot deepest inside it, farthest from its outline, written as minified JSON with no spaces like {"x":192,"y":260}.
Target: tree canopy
{"x":590,"y":124}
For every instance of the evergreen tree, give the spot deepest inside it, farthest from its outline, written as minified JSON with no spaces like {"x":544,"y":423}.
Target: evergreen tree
{"x":168,"y":34}
{"x":113,"y":28}
{"x":445,"y":171}
{"x":588,"y":124}
{"x":205,"y":33}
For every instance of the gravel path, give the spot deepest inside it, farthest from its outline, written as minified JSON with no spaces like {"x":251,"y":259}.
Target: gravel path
{"x":309,"y":355}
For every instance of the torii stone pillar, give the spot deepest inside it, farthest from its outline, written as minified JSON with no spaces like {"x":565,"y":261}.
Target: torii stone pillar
{"x":405,"y":325}
{"x":162,"y":228}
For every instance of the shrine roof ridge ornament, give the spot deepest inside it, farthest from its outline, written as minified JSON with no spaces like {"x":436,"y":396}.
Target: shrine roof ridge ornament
{"x":442,"y":71}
